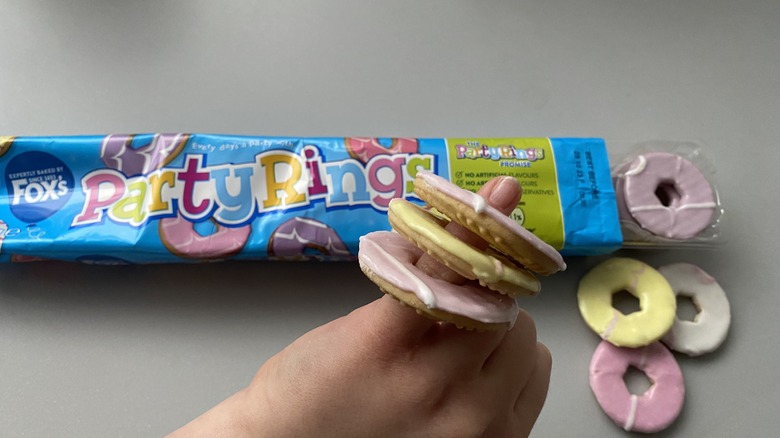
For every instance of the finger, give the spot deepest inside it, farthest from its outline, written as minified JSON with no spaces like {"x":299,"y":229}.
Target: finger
{"x":402,"y":322}
{"x":397,"y":323}
{"x":461,"y":350}
{"x":502,"y":193}
{"x":531,"y":400}
{"x":513,"y":359}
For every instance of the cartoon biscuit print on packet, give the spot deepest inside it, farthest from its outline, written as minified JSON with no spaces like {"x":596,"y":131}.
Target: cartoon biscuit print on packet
{"x":296,"y":238}
{"x":118,"y":152}
{"x":180,"y":237}
{"x":364,"y":149}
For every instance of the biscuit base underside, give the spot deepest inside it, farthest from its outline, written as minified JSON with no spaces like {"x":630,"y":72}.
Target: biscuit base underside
{"x":411,"y":300}
{"x":486,"y":227}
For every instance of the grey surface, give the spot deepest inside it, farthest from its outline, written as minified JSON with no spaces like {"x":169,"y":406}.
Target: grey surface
{"x":137,"y":351}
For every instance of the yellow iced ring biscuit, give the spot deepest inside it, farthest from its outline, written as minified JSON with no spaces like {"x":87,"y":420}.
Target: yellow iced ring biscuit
{"x":490,"y":268}
{"x":657,"y":302}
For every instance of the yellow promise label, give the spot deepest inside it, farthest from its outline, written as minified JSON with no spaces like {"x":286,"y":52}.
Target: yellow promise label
{"x":474,"y":161}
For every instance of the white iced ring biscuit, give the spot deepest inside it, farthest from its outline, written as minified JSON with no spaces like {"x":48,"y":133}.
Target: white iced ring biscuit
{"x":710,"y":327}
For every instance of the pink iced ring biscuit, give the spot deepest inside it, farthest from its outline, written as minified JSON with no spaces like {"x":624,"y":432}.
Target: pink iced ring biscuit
{"x":118,"y":153}
{"x":666,"y":195}
{"x":650,"y":412}
{"x":295,"y":236}
{"x":181,"y":238}
{"x":394,"y":257}
{"x":366,"y":148}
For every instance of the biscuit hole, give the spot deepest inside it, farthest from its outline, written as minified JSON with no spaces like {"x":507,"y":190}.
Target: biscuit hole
{"x":687,"y":310}
{"x":205,"y":228}
{"x":637,"y":381}
{"x":667,"y":193}
{"x":625,"y":302}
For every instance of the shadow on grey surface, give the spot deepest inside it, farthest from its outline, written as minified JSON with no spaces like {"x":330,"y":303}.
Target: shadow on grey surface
{"x":227,"y":289}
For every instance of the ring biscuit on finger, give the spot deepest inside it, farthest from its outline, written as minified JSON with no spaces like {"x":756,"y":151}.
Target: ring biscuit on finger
{"x":388,"y":260}
{"x":499,"y":230}
{"x":482,"y":295}
{"x":429,"y":234}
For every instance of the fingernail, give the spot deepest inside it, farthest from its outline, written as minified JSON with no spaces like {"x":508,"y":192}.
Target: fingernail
{"x":504,"y":194}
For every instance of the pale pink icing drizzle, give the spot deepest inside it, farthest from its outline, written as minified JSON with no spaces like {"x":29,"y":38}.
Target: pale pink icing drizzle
{"x":631,"y":413}
{"x":392,"y":257}
{"x":479,"y":205}
{"x":612,"y":324}
{"x":639,"y":167}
